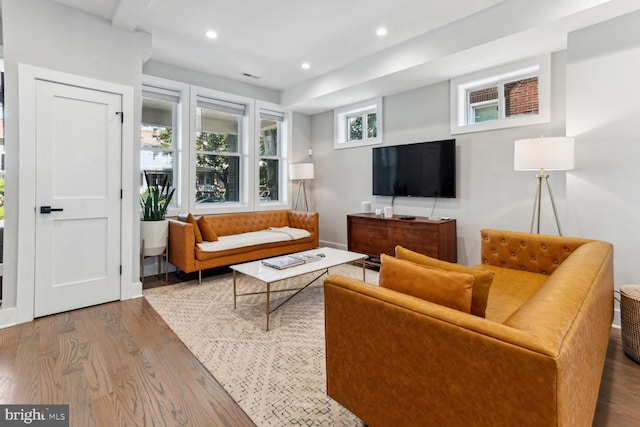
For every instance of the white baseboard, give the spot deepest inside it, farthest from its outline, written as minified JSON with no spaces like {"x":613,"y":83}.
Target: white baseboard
{"x":326,"y":244}
{"x":616,"y":319}
{"x":136,"y":290}
{"x":7,"y":317}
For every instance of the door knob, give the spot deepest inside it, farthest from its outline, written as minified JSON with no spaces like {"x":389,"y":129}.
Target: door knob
{"x":49,"y":209}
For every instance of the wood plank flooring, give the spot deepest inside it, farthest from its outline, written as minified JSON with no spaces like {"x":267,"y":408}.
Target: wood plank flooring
{"x":119,"y":364}
{"x":116,"y":364}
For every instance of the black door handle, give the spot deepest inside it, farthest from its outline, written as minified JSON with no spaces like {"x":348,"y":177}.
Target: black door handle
{"x":49,"y":209}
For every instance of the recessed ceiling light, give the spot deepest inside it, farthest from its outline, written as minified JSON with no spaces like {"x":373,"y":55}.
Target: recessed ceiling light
{"x":381,"y":31}
{"x":306,"y":65}
{"x":212,"y":34}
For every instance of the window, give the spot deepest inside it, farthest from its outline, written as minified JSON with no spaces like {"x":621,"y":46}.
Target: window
{"x":221,"y":152}
{"x":514,"y":95}
{"x":158,"y":136}
{"x":270,"y":155}
{"x":358,"y":124}
{"x":218,"y":142}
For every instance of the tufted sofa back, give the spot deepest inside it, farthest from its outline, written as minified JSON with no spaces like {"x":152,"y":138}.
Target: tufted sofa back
{"x":516,"y":250}
{"x":227,"y":224}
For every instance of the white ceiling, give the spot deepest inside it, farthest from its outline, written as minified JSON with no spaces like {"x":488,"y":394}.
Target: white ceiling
{"x":428,"y":40}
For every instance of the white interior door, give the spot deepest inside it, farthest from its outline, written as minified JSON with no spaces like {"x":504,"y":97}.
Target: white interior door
{"x":78,"y":173}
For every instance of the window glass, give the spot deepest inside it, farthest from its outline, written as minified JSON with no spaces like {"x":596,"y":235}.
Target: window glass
{"x":157,"y":146}
{"x":355,"y":128}
{"x":270,"y":156}
{"x":217,"y":154}
{"x":372,"y":125}
{"x":484,"y":113}
{"x":521,"y":97}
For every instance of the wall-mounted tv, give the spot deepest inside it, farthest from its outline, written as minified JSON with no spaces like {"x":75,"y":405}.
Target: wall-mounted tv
{"x":423,"y":169}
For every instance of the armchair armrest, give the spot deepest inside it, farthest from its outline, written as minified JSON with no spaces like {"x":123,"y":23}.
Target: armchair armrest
{"x":182,"y":244}
{"x":536,"y":253}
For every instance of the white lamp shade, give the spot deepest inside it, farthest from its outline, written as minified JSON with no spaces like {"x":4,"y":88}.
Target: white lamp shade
{"x":543,"y":153}
{"x":301,"y":171}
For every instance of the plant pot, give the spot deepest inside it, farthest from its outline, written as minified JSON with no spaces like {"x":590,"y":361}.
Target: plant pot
{"x":154,"y":234}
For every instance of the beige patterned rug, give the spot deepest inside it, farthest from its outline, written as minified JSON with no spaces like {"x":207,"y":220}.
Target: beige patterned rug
{"x":277,"y":377}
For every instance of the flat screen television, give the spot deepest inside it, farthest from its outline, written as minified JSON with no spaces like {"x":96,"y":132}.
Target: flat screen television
{"x":423,"y":169}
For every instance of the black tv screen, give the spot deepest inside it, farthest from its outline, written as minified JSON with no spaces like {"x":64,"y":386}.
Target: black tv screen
{"x":423,"y":169}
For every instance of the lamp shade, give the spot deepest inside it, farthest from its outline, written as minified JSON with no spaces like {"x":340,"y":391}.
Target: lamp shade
{"x":543,"y":153}
{"x":299,"y":171}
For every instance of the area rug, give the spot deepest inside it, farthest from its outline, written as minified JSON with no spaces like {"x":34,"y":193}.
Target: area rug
{"x":277,"y":377}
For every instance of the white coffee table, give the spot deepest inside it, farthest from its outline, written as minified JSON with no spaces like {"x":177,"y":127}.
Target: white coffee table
{"x":268,"y":275}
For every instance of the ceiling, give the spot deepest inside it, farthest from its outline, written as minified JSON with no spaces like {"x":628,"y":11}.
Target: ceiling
{"x":428,"y":41}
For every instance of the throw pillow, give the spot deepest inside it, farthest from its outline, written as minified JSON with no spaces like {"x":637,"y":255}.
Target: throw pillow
{"x":206,"y":230}
{"x":481,"y":284}
{"x":196,"y":229}
{"x":450,"y":289}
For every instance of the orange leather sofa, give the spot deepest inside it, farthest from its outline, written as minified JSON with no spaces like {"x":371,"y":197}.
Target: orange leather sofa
{"x":535,"y":360}
{"x":186,"y":256}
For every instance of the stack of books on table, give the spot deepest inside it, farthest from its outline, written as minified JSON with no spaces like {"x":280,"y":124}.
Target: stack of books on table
{"x":292,"y":260}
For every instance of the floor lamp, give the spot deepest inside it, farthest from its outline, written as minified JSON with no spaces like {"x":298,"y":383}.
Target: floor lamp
{"x":301,"y":172}
{"x":543,"y":154}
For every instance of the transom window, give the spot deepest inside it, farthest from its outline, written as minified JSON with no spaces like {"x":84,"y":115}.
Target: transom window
{"x":502,"y":100}
{"x":514,"y":95}
{"x":358,"y":124}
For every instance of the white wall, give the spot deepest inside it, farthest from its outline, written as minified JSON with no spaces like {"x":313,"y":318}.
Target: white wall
{"x":603,"y":106}
{"x":301,"y":143}
{"x":46,"y":34}
{"x":172,"y":72}
{"x":489,"y":192}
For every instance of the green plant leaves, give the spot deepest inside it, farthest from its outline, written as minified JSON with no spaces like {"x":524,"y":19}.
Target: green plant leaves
{"x":156,"y":199}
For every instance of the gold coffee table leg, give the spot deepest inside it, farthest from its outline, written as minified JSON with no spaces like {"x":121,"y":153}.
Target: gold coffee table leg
{"x":234,"y":290}
{"x":268,"y":303}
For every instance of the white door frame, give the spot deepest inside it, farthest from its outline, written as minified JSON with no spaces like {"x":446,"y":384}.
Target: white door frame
{"x":27,"y":77}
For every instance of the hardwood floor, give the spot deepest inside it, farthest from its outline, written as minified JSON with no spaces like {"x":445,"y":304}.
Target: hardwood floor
{"x":118,"y":364}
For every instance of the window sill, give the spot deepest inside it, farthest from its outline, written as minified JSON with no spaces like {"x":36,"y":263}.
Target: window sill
{"x":500,"y":124}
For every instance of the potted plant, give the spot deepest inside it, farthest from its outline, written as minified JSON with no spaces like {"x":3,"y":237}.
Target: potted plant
{"x":154,"y":228}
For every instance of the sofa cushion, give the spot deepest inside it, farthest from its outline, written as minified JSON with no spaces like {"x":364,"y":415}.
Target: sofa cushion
{"x":448,"y":288}
{"x":482,"y":278}
{"x":207,"y":231}
{"x":196,"y":229}
{"x":510,"y":289}
{"x":252,"y":238}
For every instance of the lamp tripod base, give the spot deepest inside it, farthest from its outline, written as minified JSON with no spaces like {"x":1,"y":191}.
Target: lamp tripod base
{"x":538,"y":200}
{"x":301,"y":189}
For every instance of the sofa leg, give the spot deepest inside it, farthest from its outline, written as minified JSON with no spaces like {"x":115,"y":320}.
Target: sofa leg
{"x":199,"y":277}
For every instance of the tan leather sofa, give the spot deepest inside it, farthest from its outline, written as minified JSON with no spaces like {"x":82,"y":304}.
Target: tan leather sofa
{"x":535,"y":360}
{"x":186,"y":256}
